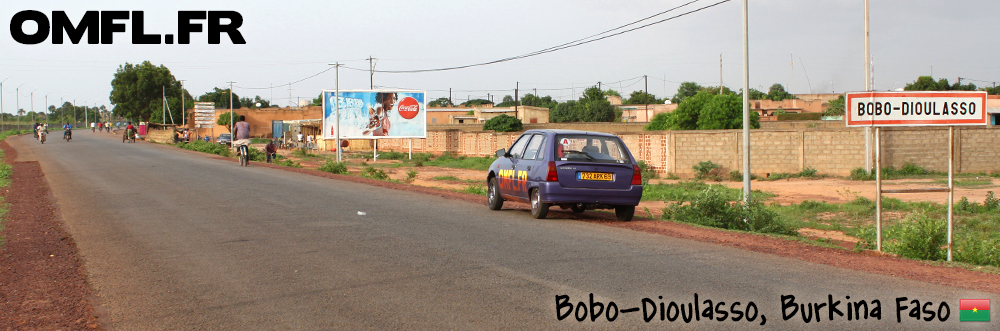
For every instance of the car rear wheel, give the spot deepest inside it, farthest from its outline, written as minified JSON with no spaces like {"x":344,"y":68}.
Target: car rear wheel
{"x":625,"y":213}
{"x":578,"y":208}
{"x":538,"y":208}
{"x":493,"y":195}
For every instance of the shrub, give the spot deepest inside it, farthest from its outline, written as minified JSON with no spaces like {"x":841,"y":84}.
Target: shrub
{"x":259,"y":140}
{"x":808,"y":172}
{"x":256,"y":155}
{"x":503,"y":123}
{"x":976,"y":248}
{"x":478,"y":189}
{"x":707,"y":170}
{"x":713,"y":208}
{"x":991,"y":203}
{"x":373,"y":173}
{"x":393,"y":155}
{"x":922,"y":238}
{"x":862,"y":174}
{"x":288,"y":163}
{"x":206,"y":147}
{"x":647,"y":172}
{"x":333,"y":167}
{"x":302,"y":152}
{"x":411,"y":175}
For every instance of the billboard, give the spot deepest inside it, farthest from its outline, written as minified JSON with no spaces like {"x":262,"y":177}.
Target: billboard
{"x":373,"y":114}
{"x":915,"y":108}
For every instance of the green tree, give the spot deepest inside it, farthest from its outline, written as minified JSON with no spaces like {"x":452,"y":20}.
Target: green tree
{"x":685,"y":117}
{"x":221,"y":98}
{"x":612,"y":92}
{"x":725,"y":112}
{"x":927,"y":83}
{"x":503,"y":123}
{"x":318,"y":101}
{"x":777,"y":93}
{"x":835,"y":107}
{"x":508,"y":101}
{"x":686,"y":90}
{"x":992,"y":90}
{"x":640,"y":97}
{"x":591,"y":107}
{"x":564,"y":112}
{"x":757,"y":95}
{"x":659,"y":122}
{"x":536,"y":101}
{"x":440,"y":102}
{"x":477,"y":102}
{"x":137,"y":91}
{"x":223,"y":120}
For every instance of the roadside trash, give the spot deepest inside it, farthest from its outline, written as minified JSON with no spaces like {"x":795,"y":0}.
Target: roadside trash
{"x":361,"y":213}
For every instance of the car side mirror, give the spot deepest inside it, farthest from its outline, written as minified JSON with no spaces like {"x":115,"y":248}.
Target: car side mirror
{"x":502,"y":153}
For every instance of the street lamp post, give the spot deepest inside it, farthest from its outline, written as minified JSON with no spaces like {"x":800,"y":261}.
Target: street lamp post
{"x":1,"y":103}
{"x":45,"y":111}
{"x":17,"y":104}
{"x":33,"y":119}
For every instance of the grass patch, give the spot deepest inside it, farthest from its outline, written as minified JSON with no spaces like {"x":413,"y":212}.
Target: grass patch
{"x":302,"y":152}
{"x":687,"y":190}
{"x":5,"y":171}
{"x":478,"y":189}
{"x":966,"y":182}
{"x":446,"y":178}
{"x":206,"y":147}
{"x":259,"y":140}
{"x":448,"y":160}
{"x":908,"y":170}
{"x":333,"y":167}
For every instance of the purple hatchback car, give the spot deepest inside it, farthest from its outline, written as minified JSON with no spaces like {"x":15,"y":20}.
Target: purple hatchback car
{"x":576,"y":170}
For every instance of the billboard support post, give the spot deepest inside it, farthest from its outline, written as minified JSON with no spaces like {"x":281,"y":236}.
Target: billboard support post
{"x":411,"y":148}
{"x":882,"y":109}
{"x":951,"y":184}
{"x":337,"y":105}
{"x":878,"y":188}
{"x":375,"y":150}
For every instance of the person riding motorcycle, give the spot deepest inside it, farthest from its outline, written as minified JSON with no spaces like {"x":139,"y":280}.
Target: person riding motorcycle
{"x":67,"y":132}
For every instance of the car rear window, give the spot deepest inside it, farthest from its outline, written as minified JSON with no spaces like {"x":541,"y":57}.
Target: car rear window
{"x":586,"y":148}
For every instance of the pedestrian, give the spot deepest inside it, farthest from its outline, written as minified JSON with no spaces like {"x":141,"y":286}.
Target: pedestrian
{"x":309,"y":142}
{"x":300,"y":139}
{"x":93,"y":126}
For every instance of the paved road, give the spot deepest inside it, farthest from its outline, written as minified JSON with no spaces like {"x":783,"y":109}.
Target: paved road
{"x":173,"y":240}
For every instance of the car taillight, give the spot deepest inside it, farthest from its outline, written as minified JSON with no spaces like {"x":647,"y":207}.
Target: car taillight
{"x":552,"y":176}
{"x":636,"y":175}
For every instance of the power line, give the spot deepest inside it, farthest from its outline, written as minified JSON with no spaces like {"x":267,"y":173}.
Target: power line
{"x":574,"y":43}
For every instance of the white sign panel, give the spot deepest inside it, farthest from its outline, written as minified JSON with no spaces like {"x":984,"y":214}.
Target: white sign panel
{"x":915,"y":108}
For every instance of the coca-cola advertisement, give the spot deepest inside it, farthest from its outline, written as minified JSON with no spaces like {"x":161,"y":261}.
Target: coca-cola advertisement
{"x":375,"y":114}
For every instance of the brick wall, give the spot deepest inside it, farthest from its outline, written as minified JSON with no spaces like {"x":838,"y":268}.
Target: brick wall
{"x":834,"y":151}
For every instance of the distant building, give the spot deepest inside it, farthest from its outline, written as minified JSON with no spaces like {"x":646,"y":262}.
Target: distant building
{"x":480,"y":114}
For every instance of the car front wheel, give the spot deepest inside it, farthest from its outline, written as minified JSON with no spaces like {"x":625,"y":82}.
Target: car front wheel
{"x":625,"y":213}
{"x":538,"y":208}
{"x":493,"y":195}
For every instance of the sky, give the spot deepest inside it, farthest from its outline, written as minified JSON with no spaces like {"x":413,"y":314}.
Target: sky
{"x":814,"y":46}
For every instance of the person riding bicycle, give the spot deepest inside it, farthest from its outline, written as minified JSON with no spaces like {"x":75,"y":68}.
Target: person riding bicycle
{"x":241,"y":135}
{"x":271,"y":150}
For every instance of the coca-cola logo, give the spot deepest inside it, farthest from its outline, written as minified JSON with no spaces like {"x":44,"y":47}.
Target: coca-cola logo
{"x":408,"y":108}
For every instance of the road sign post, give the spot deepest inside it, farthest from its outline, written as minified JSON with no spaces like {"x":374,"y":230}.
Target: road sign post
{"x":915,"y":108}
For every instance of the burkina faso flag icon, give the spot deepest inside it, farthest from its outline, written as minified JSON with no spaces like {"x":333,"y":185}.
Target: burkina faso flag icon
{"x":974,"y":310}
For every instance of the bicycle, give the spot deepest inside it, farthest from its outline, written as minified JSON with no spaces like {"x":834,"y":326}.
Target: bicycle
{"x":242,"y":152}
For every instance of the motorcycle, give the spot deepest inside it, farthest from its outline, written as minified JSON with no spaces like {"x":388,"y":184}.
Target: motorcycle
{"x":68,"y":135}
{"x":41,"y":136}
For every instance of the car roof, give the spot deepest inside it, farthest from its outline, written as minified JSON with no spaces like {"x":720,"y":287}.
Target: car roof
{"x":562,"y":131}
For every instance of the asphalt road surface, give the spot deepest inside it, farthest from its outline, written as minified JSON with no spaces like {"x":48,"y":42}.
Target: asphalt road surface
{"x":173,"y":240}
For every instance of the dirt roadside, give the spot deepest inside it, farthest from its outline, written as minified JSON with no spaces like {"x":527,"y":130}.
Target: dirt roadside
{"x":43,"y":284}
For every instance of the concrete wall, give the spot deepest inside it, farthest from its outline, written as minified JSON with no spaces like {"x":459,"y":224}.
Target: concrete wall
{"x":834,"y":151}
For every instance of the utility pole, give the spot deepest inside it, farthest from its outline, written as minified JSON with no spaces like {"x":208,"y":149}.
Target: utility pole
{"x":371,"y":70}
{"x":289,"y":93}
{"x":183,"y":108}
{"x":45,"y":112}
{"x":336,"y":103}
{"x":516,"y":87}
{"x":791,"y":58}
{"x":449,"y":98}
{"x":231,"y":136}
{"x":868,"y":88}
{"x":17,"y":104}
{"x":746,"y":109}
{"x":1,"y":104}
{"x":646,"y":97}
{"x":720,"y":74}
{"x":163,"y":90}
{"x":33,"y":119}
